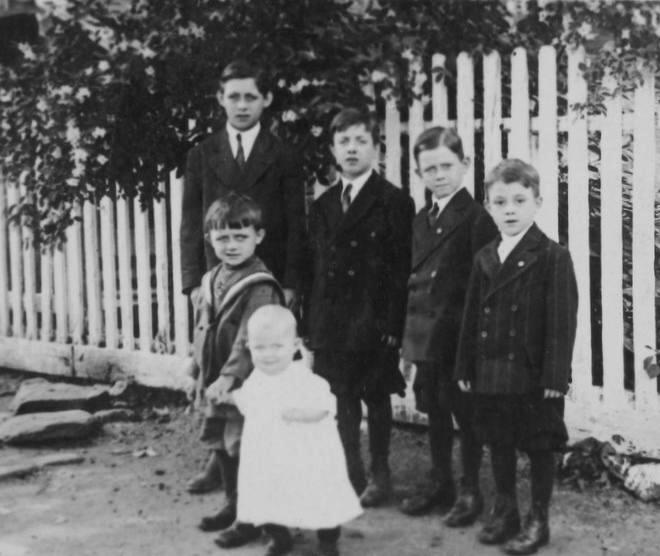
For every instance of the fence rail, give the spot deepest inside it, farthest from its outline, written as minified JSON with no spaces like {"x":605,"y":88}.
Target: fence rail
{"x":115,"y":286}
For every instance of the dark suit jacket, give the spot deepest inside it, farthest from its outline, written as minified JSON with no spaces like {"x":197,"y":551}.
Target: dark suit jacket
{"x":361,"y":262}
{"x":520,"y":317}
{"x":441,"y":262}
{"x":271,"y":177}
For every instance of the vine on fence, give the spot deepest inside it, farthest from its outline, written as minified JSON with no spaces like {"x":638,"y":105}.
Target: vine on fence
{"x":104,"y":99}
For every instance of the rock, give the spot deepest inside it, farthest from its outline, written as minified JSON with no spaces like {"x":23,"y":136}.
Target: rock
{"x":644,"y":481}
{"x":43,"y":427}
{"x":4,"y":415}
{"x":39,"y":395}
{"x":116,"y":415}
{"x":13,"y":470}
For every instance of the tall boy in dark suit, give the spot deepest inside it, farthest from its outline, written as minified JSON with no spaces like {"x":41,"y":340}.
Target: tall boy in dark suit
{"x":244,"y":157}
{"x":360,"y":232}
{"x":446,"y":235}
{"x":515,"y":352}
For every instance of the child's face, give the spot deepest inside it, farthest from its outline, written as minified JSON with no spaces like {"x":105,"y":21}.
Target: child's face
{"x":234,"y":246}
{"x":441,"y":171}
{"x":354,"y":150}
{"x":272,"y":347}
{"x":243,"y":102}
{"x":512,"y":206}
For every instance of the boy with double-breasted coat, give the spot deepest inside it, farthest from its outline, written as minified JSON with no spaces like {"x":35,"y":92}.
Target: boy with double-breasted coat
{"x":446,"y":235}
{"x":360,"y":233}
{"x":515,"y":352}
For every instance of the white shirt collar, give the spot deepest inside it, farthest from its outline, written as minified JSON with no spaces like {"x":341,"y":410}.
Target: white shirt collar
{"x":357,"y":183}
{"x":508,"y":243}
{"x":444,"y":201}
{"x":248,"y":137}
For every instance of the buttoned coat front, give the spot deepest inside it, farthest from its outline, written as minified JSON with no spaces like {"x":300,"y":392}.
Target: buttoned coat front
{"x":442,"y":255}
{"x":361,"y":263}
{"x":520,"y":317}
{"x":271,"y":177}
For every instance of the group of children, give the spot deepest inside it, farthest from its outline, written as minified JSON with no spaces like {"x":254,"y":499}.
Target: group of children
{"x":487,"y":318}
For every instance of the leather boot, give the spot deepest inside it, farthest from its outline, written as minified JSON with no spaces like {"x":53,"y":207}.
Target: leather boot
{"x":237,"y":535}
{"x":503,"y":522}
{"x":227,"y":514}
{"x":208,"y":480}
{"x":467,"y":507}
{"x":535,"y":533}
{"x":438,"y":493}
{"x":378,"y":488}
{"x":281,"y":541}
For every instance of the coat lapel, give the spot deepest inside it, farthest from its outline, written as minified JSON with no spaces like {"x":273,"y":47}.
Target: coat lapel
{"x":221,"y":157}
{"x":430,"y":237}
{"x":261,"y":157}
{"x":361,"y":204}
{"x":519,"y":261}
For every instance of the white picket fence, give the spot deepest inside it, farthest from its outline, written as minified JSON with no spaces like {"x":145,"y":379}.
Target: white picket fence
{"x":91,"y":309}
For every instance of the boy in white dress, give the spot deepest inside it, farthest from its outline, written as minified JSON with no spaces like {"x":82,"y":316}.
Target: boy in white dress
{"x":293,"y":469}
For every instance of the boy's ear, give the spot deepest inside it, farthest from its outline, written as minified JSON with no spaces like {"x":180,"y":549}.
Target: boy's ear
{"x":539,"y":201}
{"x":220,"y":96}
{"x":261,"y":233}
{"x":268,"y":98}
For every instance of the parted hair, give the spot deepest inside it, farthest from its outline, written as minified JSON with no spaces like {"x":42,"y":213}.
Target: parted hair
{"x":348,"y":117}
{"x":513,"y":170}
{"x":242,"y":69}
{"x":438,"y":136}
{"x":233,"y":211}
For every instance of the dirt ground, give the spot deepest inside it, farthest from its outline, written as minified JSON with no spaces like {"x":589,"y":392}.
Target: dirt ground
{"x":117,"y":503}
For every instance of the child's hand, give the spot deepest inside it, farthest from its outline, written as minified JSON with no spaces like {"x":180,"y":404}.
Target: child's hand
{"x":549,"y":393}
{"x":465,"y":385}
{"x":390,"y":341}
{"x":218,"y":391}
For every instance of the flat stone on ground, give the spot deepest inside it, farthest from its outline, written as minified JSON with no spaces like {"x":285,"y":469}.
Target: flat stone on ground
{"x":11,"y":469}
{"x":44,"y":427}
{"x":39,"y":395}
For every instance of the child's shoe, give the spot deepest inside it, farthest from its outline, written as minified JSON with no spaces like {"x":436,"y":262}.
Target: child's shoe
{"x":327,"y":549}
{"x":237,"y":535}
{"x":219,"y":521}
{"x":281,"y":541}
{"x":536,"y":533}
{"x":467,"y":508}
{"x":503,"y":522}
{"x":438,"y":494}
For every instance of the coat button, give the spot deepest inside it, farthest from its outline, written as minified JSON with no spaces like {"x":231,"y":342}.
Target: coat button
{"x":512,"y":356}
{"x":351,"y":272}
{"x":354,"y":243}
{"x":438,"y":231}
{"x":514,"y":307}
{"x":521,"y":263}
{"x":434,"y":273}
{"x":512,"y":333}
{"x":487,"y":310}
{"x":331,"y":274}
{"x":484,"y":334}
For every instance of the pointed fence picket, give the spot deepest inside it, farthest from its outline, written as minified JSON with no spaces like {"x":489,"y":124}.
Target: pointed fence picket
{"x":110,"y":298}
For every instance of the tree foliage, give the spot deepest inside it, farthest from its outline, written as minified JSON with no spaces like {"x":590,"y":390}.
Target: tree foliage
{"x":107,"y":97}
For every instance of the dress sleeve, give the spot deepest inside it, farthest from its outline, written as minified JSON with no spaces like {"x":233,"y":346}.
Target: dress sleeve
{"x":313,"y":392}
{"x":243,"y":397}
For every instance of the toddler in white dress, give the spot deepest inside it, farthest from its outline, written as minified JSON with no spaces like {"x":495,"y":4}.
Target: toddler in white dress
{"x":293,"y":468}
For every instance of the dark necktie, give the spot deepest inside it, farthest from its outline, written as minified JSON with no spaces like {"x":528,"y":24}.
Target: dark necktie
{"x":240,"y":155}
{"x":434,"y":213}
{"x":346,"y":197}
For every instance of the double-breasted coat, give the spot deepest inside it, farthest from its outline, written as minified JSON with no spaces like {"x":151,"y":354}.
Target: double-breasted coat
{"x":361,"y":263}
{"x":271,"y":177}
{"x":520,"y":317}
{"x":442,"y":254}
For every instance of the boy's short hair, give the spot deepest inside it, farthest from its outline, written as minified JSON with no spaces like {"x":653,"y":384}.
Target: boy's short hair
{"x":233,"y":211}
{"x":242,"y":69}
{"x":438,"y":136}
{"x":513,"y":170}
{"x":348,"y":117}
{"x":273,"y":316}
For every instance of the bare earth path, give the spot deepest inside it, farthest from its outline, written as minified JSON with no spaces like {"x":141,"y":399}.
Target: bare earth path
{"x":118,"y":504}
